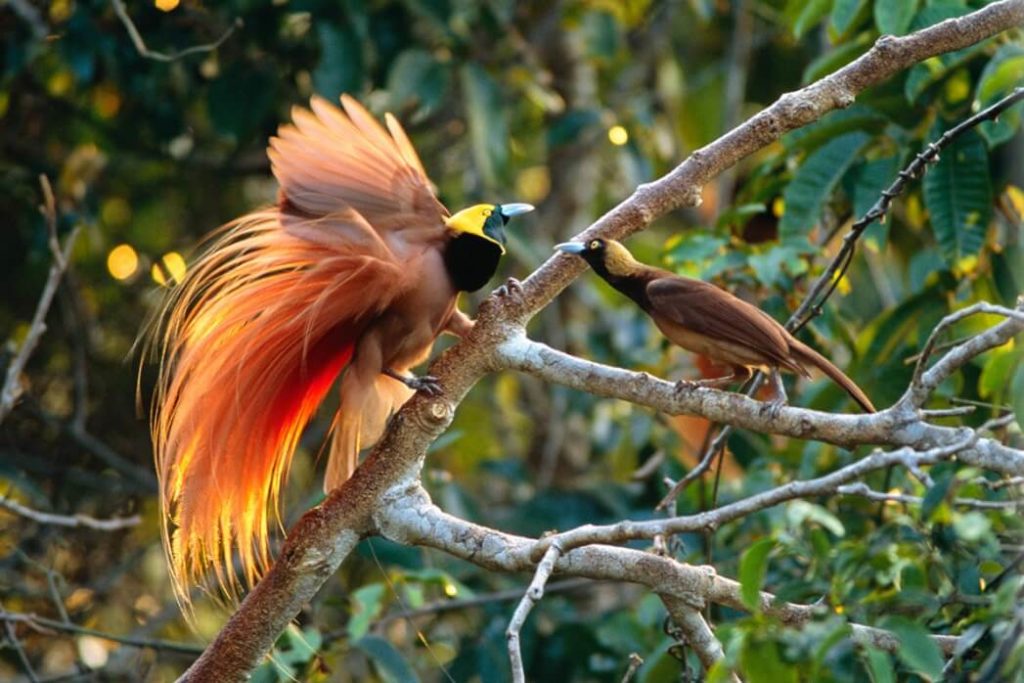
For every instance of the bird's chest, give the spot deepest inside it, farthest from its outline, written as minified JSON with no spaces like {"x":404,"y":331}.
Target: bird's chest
{"x":417,"y":316}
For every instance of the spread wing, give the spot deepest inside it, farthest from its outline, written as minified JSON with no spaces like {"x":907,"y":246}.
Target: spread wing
{"x":715,"y":313}
{"x":331,"y":163}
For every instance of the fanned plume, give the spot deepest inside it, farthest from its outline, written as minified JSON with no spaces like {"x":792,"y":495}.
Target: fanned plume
{"x":254,"y":337}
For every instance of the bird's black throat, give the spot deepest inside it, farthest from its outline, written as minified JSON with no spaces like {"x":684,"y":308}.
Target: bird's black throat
{"x":471,"y":261}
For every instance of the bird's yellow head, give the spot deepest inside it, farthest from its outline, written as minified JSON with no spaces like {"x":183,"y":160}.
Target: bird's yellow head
{"x":486,"y":221}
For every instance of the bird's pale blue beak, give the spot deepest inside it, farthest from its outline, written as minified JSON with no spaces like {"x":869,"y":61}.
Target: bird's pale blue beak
{"x":571,"y":247}
{"x":515,"y":209}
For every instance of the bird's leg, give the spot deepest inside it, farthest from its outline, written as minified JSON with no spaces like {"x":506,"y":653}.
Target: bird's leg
{"x":428,"y":384}
{"x":738,"y":375}
{"x":459,"y":324}
{"x":780,"y":398}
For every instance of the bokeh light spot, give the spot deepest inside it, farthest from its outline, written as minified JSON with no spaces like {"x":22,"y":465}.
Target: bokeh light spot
{"x":169,"y":270}
{"x":618,"y":135}
{"x":122,"y":261}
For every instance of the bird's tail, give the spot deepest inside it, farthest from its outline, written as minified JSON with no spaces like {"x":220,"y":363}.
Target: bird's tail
{"x":249,"y":346}
{"x":806,"y":354}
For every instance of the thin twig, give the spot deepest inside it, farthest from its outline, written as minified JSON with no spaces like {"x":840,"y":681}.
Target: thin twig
{"x":39,"y":623}
{"x":12,"y":388}
{"x":863,"y":490}
{"x":72,"y":521}
{"x":533,"y":595}
{"x":140,"y":44}
{"x":635,"y":662}
{"x":12,"y":637}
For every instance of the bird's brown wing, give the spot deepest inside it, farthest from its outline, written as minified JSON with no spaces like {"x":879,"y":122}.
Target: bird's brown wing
{"x":331,"y":163}
{"x":706,"y":310}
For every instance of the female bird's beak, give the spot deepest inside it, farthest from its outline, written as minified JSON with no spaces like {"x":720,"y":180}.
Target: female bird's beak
{"x":571,"y":248}
{"x":516,"y":209}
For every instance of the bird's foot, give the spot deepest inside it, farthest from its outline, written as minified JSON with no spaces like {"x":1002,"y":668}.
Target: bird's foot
{"x":512,"y":287}
{"x":774,"y":407}
{"x":685,"y":386}
{"x":428,"y":384}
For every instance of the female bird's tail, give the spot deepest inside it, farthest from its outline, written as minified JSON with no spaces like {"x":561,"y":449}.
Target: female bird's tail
{"x":805,"y":354}
{"x":250,"y":343}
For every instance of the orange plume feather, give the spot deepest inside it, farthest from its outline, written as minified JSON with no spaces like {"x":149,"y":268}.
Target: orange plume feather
{"x":264,"y":323}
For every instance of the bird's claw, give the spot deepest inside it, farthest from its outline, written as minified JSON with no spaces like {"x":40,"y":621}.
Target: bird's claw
{"x":685,"y":386}
{"x":773,"y":407}
{"x":427,"y":384}
{"x":512,"y":287}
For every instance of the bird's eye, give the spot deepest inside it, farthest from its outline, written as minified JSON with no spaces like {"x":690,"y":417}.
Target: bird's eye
{"x":487,"y":212}
{"x":594,"y":244}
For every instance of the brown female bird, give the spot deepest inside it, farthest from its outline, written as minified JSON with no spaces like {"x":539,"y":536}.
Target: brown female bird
{"x":704,"y":319}
{"x":354,"y":273}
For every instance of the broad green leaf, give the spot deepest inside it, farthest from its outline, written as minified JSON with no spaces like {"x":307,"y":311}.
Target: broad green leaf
{"x":803,"y":15}
{"x":367,"y":603}
{"x":800,"y":512}
{"x":753,"y":566}
{"x":1003,"y":73}
{"x":997,"y":372}
{"x":847,"y":15}
{"x":488,"y":123}
{"x":917,"y":649}
{"x":867,"y":181}
{"x":761,"y":663}
{"x":879,"y":665}
{"x":814,"y":181}
{"x":958,"y":195}
{"x":415,"y":76}
{"x":894,"y":16}
{"x":389,"y":662}
{"x":340,"y":68}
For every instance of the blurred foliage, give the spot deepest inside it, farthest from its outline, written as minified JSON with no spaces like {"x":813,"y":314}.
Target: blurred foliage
{"x":568,"y":105}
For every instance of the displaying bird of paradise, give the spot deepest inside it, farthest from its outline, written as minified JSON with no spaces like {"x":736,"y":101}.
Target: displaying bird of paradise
{"x":352,"y":275}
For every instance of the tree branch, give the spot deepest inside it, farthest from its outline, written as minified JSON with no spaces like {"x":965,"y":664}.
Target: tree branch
{"x":325,"y":535}
{"x":12,"y":388}
{"x":77,"y":520}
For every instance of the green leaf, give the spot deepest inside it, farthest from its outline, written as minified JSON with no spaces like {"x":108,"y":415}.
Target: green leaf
{"x":367,"y":603}
{"x":761,"y":663}
{"x":958,"y":195}
{"x":1017,"y":393}
{"x":868,"y":180}
{"x":1003,"y":73}
{"x":894,"y":16}
{"x":800,"y":512}
{"x":753,"y":566}
{"x":847,"y":15}
{"x":416,"y":77}
{"x":803,"y":15}
{"x":814,"y":181}
{"x":488,"y":124}
{"x":879,"y":665}
{"x":340,"y":68}
{"x":388,"y":661}
{"x":997,"y":372}
{"x":917,"y":649}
